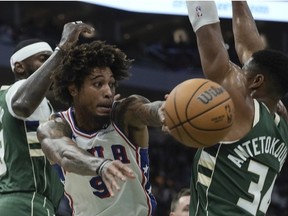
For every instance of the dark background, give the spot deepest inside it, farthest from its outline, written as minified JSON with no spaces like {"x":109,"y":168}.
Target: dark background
{"x":165,"y":53}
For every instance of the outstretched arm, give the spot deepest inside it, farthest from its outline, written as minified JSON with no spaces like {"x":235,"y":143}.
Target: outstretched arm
{"x":214,"y":57}
{"x":59,"y":148}
{"x":246,"y":35}
{"x":216,"y":64}
{"x":32,"y":91}
{"x":134,"y":114}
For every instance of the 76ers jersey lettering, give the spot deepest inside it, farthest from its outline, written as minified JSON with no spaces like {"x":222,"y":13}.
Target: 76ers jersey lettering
{"x":89,"y":195}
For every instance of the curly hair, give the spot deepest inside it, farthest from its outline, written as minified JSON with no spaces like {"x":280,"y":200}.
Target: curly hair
{"x":79,"y":62}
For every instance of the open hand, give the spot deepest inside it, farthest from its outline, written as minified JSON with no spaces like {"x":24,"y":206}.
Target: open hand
{"x":114,"y":170}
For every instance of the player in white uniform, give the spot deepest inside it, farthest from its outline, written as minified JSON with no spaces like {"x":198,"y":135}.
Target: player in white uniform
{"x":91,"y":131}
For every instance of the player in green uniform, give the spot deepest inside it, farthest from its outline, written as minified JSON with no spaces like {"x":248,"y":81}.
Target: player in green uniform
{"x":237,"y":175}
{"x":29,"y":185}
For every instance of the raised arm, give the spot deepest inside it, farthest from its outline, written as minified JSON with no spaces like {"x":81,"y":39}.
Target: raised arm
{"x":216,"y":64}
{"x":32,"y":91}
{"x":59,"y":148}
{"x":134,"y":114}
{"x":246,"y":35}
{"x":214,"y":57}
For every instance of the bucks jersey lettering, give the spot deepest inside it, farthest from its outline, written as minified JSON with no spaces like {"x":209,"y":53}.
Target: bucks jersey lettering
{"x":237,"y":178}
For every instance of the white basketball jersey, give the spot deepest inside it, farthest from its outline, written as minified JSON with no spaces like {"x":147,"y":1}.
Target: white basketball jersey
{"x":89,"y":195}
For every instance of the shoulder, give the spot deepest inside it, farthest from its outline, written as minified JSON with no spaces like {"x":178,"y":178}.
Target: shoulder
{"x":127,"y":104}
{"x":135,"y":98}
{"x":124,"y":109}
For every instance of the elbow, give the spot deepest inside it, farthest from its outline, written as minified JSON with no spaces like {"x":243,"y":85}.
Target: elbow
{"x":22,"y":109}
{"x":40,"y":135}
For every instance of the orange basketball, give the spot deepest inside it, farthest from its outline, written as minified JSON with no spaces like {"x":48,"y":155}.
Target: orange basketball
{"x":199,"y":112}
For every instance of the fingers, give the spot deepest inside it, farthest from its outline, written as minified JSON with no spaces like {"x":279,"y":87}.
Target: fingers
{"x":110,"y":183}
{"x":165,"y":129}
{"x":123,"y":171}
{"x":161,"y":113}
{"x":82,"y":26}
{"x":77,"y":22}
{"x":117,"y":97}
{"x":71,"y":33}
{"x":118,"y":170}
{"x":113,"y":171}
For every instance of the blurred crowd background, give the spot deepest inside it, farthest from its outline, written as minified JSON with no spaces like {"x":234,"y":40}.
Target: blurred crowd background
{"x":165,"y":53}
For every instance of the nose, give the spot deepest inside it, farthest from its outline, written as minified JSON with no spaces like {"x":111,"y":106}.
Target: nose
{"x":108,"y":92}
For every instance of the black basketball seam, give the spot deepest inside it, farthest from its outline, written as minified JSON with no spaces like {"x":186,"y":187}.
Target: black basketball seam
{"x":170,"y":117}
{"x":211,"y":108}
{"x":189,"y":135}
{"x":191,"y":97}
{"x":178,"y":117}
{"x":175,"y":107}
{"x":188,"y":120}
{"x":180,"y":126}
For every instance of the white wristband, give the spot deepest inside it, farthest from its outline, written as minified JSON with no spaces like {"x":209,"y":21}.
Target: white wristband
{"x":202,"y":13}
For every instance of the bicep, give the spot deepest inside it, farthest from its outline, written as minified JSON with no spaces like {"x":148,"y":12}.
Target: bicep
{"x":245,"y":49}
{"x":213,"y":54}
{"x":129,"y":111}
{"x":56,"y":127}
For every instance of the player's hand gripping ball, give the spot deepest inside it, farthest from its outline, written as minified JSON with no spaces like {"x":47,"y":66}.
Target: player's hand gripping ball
{"x":199,"y":113}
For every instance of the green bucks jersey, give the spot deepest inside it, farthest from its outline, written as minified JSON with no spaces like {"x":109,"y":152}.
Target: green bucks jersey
{"x":23,"y":166}
{"x":237,"y":178}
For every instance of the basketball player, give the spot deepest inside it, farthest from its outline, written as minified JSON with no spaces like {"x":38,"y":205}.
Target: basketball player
{"x":180,"y":203}
{"x":92,"y":128}
{"x":29,"y":186}
{"x":237,"y":175}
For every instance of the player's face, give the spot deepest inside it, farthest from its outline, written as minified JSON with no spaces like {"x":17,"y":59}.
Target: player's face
{"x":253,"y":81}
{"x":32,"y":63}
{"x":96,"y":95}
{"x":182,"y":209}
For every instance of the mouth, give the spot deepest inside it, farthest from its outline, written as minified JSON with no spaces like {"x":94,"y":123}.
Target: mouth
{"x":105,"y":108}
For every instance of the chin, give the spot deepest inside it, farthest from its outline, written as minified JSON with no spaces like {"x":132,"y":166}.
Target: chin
{"x":103,"y":119}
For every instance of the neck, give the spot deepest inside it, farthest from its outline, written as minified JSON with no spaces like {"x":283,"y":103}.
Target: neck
{"x":88,"y":123}
{"x":270,"y":103}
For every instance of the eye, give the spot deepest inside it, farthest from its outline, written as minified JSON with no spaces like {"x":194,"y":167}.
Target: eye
{"x":43,"y":58}
{"x":113,"y":85}
{"x":97,"y":84}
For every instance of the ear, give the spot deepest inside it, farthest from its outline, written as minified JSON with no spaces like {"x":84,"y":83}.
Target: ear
{"x":19,"y":68}
{"x":257,"y":81}
{"x":72,"y":90}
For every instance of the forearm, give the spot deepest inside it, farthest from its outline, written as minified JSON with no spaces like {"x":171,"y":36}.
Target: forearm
{"x":213,"y":54}
{"x":149,"y":114}
{"x":32,"y":91}
{"x":214,"y":57}
{"x":68,"y":155}
{"x":246,"y":35}
{"x":54,"y":136}
{"x":29,"y":96}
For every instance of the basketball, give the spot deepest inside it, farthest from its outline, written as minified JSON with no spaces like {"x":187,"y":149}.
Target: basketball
{"x":199,"y":112}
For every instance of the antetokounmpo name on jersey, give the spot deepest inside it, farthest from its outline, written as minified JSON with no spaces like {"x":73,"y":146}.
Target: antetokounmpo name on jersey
{"x":259,"y":145}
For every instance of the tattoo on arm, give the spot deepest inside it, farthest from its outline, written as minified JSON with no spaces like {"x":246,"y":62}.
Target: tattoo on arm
{"x":139,"y":110}
{"x":149,"y":113}
{"x":60,"y":128}
{"x":53,"y":129}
